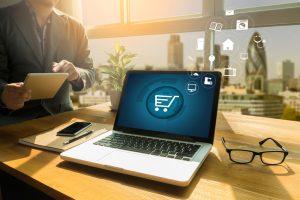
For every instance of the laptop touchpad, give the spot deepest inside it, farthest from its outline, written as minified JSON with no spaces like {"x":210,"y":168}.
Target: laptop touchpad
{"x":90,"y":153}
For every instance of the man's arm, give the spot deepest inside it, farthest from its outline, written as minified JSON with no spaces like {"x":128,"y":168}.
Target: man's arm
{"x":83,"y":63}
{"x":13,"y":95}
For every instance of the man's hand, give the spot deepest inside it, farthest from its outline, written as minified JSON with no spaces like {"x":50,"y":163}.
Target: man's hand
{"x":15,"y":95}
{"x":66,"y":67}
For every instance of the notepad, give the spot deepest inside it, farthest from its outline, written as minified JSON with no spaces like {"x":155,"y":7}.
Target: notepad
{"x":48,"y":140}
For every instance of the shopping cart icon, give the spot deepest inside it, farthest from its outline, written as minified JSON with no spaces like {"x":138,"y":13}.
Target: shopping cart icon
{"x":164,"y":101}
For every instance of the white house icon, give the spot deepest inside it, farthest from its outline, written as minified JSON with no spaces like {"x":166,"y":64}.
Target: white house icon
{"x":228,"y":45}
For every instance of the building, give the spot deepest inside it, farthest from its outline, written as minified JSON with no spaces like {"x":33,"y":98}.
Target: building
{"x":256,"y":66}
{"x":149,"y":67}
{"x":275,"y":86}
{"x":294,"y":84}
{"x":175,"y":53}
{"x":251,"y":104}
{"x":199,"y":65}
{"x":291,"y":99}
{"x":92,"y":98}
{"x":234,"y":99}
{"x":286,"y":71}
{"x":253,"y":99}
{"x":224,"y":63}
{"x":217,"y":54}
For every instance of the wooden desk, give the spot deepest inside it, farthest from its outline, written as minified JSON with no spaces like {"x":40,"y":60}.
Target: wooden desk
{"x":218,"y":178}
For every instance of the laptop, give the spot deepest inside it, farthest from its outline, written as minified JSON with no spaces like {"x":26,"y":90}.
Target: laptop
{"x":164,"y":127}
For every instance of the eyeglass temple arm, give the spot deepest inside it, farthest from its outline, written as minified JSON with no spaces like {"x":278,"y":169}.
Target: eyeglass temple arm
{"x":277,"y":143}
{"x":223,"y":142}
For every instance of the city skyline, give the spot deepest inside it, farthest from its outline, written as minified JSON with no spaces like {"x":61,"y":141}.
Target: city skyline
{"x":152,"y":50}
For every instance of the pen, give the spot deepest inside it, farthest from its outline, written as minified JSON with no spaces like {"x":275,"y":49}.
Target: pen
{"x":77,"y":138}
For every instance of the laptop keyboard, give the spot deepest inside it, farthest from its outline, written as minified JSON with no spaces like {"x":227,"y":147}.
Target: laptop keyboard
{"x":163,"y":148}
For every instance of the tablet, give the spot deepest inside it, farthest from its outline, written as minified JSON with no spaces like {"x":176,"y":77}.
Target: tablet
{"x":44,"y":85}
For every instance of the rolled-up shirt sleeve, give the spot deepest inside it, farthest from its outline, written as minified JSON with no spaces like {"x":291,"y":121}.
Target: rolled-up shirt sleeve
{"x":83,"y":63}
{"x":79,"y":84}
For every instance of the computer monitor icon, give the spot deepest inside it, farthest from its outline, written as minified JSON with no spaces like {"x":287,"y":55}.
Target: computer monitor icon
{"x":192,"y":87}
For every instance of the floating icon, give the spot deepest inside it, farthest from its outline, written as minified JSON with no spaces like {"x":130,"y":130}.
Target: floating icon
{"x":195,"y":74}
{"x":229,"y":12}
{"x":229,"y":71}
{"x":228,"y":45}
{"x":211,"y":59}
{"x":200,"y":44}
{"x":244,"y":56}
{"x":192,"y":87}
{"x":208,"y":81}
{"x":164,"y":101}
{"x":242,"y":25}
{"x":215,"y":26}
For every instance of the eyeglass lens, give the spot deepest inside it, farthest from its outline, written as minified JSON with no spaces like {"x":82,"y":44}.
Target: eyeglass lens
{"x":272,"y":158}
{"x":241,"y":156}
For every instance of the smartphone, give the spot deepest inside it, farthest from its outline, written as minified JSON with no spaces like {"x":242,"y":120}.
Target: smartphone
{"x":74,"y":129}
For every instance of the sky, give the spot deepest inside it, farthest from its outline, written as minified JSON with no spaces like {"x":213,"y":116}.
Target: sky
{"x":282,"y":41}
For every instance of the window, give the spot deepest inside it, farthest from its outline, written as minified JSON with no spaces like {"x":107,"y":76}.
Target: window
{"x":142,"y":10}
{"x":261,"y":82}
{"x":258,"y":4}
{"x":100,"y":12}
{"x":152,"y":51}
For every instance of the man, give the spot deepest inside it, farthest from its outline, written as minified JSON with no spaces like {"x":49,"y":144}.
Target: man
{"x":37,"y":38}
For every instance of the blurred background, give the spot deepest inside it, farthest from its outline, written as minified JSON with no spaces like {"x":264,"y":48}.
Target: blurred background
{"x":260,"y":58}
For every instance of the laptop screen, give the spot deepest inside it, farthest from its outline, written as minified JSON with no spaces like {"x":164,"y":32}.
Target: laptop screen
{"x":177,"y":103}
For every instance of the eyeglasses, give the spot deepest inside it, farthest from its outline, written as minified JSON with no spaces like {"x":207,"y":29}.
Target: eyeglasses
{"x":244,"y":156}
